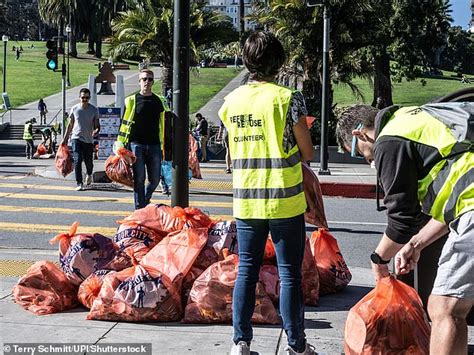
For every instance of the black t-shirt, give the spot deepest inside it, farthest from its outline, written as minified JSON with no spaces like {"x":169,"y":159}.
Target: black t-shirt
{"x":202,"y":127}
{"x":146,"y":129}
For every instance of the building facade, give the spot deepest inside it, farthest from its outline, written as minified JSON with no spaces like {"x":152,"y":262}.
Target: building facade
{"x":231,"y":9}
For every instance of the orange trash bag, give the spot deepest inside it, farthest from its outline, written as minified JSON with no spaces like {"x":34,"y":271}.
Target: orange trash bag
{"x":41,"y":150}
{"x":45,"y":290}
{"x":334,"y":275}
{"x":119,"y":167}
{"x":90,"y":288}
{"x":314,"y":198}
{"x":223,"y":235}
{"x":210,"y":299}
{"x":82,"y":254}
{"x":193,"y":159}
{"x":63,"y":161}
{"x":137,"y":294}
{"x":309,"y":277}
{"x":140,"y":239}
{"x":159,"y":218}
{"x":175,"y":254}
{"x":389,"y":320}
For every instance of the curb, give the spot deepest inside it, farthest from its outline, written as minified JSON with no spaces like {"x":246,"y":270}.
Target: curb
{"x":332,"y":189}
{"x":349,"y":190}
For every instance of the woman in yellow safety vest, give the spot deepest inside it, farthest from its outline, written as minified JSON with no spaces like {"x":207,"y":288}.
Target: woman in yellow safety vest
{"x":268,"y":139}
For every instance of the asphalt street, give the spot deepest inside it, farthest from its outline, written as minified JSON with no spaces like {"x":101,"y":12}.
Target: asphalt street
{"x":34,"y":209}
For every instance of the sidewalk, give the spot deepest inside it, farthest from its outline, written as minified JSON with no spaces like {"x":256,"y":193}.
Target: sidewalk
{"x":324,"y":324}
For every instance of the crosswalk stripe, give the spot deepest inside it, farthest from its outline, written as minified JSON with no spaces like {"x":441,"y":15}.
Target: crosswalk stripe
{"x":196,"y":184}
{"x":82,"y":198}
{"x":54,"y":228}
{"x":8,"y":208}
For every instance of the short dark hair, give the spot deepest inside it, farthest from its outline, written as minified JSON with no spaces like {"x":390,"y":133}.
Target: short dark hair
{"x":198,"y":115}
{"x":263,"y":55}
{"x":147,"y":71}
{"x":85,"y":91}
{"x":350,"y":118}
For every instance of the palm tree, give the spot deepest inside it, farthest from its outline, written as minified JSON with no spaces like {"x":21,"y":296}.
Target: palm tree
{"x":147,"y":30}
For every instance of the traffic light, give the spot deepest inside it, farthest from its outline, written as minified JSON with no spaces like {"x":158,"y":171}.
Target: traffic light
{"x":315,"y":2}
{"x":52,"y":55}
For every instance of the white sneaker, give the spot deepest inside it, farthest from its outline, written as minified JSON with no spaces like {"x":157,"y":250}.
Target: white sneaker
{"x":79,"y":187}
{"x":309,"y":350}
{"x":88,"y":179}
{"x":241,"y":348}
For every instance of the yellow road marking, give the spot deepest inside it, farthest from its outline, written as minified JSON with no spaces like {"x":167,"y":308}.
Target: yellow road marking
{"x":52,"y":228}
{"x":15,"y":268}
{"x":81,"y":198}
{"x":206,"y":184}
{"x":38,"y":187}
{"x":54,"y":210}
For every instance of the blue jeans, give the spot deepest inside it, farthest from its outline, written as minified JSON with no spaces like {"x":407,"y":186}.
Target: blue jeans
{"x":288,"y":235}
{"x":149,"y":158}
{"x":82,"y":151}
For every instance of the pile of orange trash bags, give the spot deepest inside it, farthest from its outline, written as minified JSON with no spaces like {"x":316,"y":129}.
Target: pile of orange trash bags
{"x":163,"y":264}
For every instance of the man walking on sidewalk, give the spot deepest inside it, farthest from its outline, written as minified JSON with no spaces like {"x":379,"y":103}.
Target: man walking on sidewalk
{"x":424,"y":158}
{"x":143,"y":127}
{"x":84,"y":124}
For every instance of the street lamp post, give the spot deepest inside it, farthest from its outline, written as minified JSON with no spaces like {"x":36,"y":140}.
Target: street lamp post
{"x":5,"y":41}
{"x":68,"y":31}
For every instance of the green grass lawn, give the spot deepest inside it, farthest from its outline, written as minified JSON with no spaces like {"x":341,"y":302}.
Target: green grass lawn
{"x":28,"y":79}
{"x":406,"y":93}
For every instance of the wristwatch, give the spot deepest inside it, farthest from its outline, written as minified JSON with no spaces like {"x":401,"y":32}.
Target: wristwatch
{"x":376,"y":259}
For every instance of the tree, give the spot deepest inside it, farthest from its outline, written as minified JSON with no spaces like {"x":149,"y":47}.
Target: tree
{"x":299,"y":28}
{"x":406,"y":32}
{"x":459,"y":51}
{"x":147,"y":29}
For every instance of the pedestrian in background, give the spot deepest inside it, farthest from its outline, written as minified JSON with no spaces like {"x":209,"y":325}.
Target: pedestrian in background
{"x":425,"y":164}
{"x":222,"y":134}
{"x":83,"y":125}
{"x":143,"y":129}
{"x":202,"y":129}
{"x":43,"y":110}
{"x":28,"y":137}
{"x":267,"y":146}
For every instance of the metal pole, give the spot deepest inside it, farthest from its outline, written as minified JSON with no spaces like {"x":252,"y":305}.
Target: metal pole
{"x":180,"y":188}
{"x":63,"y":81}
{"x":323,"y":168}
{"x":4,"y":66}
{"x":241,"y":20}
{"x":68,"y":82}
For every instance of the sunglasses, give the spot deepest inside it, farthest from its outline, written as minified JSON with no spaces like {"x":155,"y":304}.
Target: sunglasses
{"x":147,"y":79}
{"x":85,"y":97}
{"x":354,"y":152}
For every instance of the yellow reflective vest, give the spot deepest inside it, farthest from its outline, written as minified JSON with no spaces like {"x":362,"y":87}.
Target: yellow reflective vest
{"x":447,"y":191}
{"x":267,"y":181}
{"x":127,"y":121}
{"x":27,"y":131}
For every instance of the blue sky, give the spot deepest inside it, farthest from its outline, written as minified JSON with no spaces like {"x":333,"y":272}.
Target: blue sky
{"x":461,"y":12}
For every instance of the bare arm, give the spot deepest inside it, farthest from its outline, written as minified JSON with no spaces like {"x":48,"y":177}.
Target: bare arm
{"x":408,"y":256}
{"x":96,"y":125}
{"x":303,"y":139}
{"x":68,"y":130}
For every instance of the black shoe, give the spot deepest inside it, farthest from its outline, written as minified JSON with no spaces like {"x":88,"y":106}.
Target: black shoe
{"x":228,"y":171}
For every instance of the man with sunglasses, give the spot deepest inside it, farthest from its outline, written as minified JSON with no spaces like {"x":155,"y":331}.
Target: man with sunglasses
{"x":424,"y":158}
{"x":143,"y":131}
{"x":83,"y":125}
